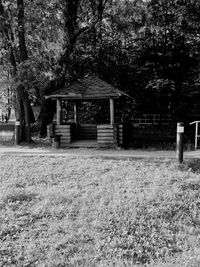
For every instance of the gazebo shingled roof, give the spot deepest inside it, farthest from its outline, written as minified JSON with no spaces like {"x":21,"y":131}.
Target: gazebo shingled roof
{"x":88,"y":88}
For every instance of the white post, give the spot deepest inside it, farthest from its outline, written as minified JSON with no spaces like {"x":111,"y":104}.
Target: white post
{"x":58,"y":112}
{"x":111,"y":111}
{"x":17,"y":132}
{"x":196,"y":134}
{"x":179,"y":141}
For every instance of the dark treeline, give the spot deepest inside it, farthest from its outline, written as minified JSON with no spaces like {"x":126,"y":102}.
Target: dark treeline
{"x":149,"y":49}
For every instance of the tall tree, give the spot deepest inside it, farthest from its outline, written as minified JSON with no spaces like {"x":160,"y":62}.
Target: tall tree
{"x":17,"y":56}
{"x":22,"y":107}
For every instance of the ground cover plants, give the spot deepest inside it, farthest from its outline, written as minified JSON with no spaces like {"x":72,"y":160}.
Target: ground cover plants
{"x":80,"y":211}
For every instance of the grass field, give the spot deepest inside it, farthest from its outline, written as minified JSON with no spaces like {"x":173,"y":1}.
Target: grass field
{"x":73,"y":211}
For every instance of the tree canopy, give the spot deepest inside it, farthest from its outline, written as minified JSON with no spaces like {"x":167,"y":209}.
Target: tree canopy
{"x":149,"y":49}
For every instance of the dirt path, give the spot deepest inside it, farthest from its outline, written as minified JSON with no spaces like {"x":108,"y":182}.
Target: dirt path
{"x":115,"y":154}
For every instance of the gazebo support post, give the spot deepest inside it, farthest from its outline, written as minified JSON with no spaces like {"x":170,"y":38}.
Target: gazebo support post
{"x":76,"y":119}
{"x":58,"y":111}
{"x":75,"y":112}
{"x":111,"y":111}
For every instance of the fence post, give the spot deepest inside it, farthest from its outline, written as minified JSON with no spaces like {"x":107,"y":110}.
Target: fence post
{"x":17,"y":132}
{"x":179,"y":141}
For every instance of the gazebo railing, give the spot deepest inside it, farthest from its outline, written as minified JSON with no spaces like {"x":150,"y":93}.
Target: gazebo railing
{"x":196,"y":132}
{"x":106,"y":135}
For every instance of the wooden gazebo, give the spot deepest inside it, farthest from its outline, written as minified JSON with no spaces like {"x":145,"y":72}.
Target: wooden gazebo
{"x":87,"y":89}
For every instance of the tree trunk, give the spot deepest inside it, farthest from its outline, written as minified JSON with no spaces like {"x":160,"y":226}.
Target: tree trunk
{"x":22,"y":113}
{"x":21,"y":31}
{"x":71,"y":33}
{"x":19,"y":111}
{"x":23,"y":107}
{"x":46,"y":115}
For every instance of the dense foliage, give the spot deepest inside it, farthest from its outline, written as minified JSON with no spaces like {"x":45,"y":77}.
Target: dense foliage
{"x":149,"y":49}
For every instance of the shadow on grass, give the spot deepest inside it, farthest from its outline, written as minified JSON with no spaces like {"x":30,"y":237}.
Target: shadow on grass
{"x":9,"y":143}
{"x":191,"y":165}
{"x":36,"y":142}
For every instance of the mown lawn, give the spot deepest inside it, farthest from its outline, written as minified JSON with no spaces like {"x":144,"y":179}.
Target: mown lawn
{"x":79,"y":211}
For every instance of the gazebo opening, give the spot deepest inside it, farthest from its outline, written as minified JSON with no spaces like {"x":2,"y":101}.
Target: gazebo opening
{"x":84,"y":117}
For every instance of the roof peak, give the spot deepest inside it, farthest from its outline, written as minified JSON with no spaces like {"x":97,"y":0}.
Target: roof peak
{"x":89,"y":87}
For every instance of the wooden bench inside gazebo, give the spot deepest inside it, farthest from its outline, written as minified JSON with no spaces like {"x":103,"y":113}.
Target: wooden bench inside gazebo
{"x":75,"y":134}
